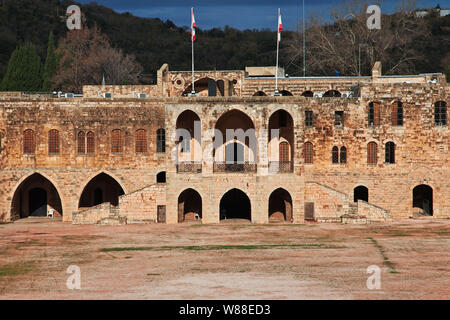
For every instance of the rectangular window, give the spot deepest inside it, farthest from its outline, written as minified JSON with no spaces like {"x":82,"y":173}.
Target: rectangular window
{"x":339,"y":118}
{"x":308,"y":118}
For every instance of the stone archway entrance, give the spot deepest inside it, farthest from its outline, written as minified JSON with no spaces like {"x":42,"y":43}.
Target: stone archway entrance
{"x":34,"y":197}
{"x":235,"y":204}
{"x":280,"y":206}
{"x":189,"y":206}
{"x":423,"y":199}
{"x":102,"y":188}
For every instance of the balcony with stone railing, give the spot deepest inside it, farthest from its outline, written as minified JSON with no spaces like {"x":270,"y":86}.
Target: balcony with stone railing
{"x":281,"y":167}
{"x":235,"y":167}
{"x":189,"y":167}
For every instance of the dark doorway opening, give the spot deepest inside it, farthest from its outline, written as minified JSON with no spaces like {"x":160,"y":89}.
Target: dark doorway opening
{"x":102,"y":188}
{"x":34,"y":197}
{"x":280,"y":206}
{"x":38,"y":202}
{"x":361,"y":193}
{"x":235,"y":205}
{"x":423,"y":198}
{"x":189,"y":206}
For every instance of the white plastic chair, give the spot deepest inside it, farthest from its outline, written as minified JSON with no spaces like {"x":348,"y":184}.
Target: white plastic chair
{"x":50,"y":213}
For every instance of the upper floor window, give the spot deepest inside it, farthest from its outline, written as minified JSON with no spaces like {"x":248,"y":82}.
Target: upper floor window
{"x":339,"y":118}
{"x":81,"y":141}
{"x":335,"y":155}
{"x":141,"y":141}
{"x":28,"y":141}
{"x":397,"y":114}
{"x":374,"y":114}
{"x":343,"y":154}
{"x":390,"y":152}
{"x":372,"y":153}
{"x":116,"y":141}
{"x":309,"y":152}
{"x":440,"y":113}
{"x":284,"y":152}
{"x":90,"y":145}
{"x":161,"y":140}
{"x":53,"y":141}
{"x":308,"y":118}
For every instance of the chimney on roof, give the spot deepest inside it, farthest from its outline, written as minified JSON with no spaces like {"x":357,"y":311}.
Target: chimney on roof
{"x":376,"y":70}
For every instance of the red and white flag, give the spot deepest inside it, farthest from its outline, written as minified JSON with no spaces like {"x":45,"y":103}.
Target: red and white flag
{"x":280,"y":26}
{"x":192,"y":26}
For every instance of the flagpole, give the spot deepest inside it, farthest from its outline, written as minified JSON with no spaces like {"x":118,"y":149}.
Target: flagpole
{"x":304,"y":42}
{"x":278,"y":45}
{"x":192,"y":41}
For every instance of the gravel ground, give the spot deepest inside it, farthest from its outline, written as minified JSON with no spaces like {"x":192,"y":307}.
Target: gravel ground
{"x":225,"y":261}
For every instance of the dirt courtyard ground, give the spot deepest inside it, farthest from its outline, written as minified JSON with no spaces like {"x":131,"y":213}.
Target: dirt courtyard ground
{"x":225,"y":261}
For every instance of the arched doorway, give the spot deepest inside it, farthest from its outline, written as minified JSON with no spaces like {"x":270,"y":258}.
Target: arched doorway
{"x":189,"y":206}
{"x":280,"y":206}
{"x":102,"y":188}
{"x":235,"y":143}
{"x":204,"y":87}
{"x":332,"y":93}
{"x":235,"y":205}
{"x":361,"y":193}
{"x":34,"y":197}
{"x":423,"y":198}
{"x":308,"y":94}
{"x":259,"y":94}
{"x":286,"y":93}
{"x":281,"y":142}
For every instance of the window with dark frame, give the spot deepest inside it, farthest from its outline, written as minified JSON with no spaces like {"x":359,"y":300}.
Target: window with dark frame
{"x":440,"y":113}
{"x":81,"y":142}
{"x":309,"y":152}
{"x":335,"y":155}
{"x":141,"y":141}
{"x":343,"y":155}
{"x":339,"y":118}
{"x":372,"y":153}
{"x":309,"y":118}
{"x":90,"y":145}
{"x":116,"y":141}
{"x":390,"y":152}
{"x":28,"y":142}
{"x":374,"y":114}
{"x":397,"y":114}
{"x":161,"y":140}
{"x":284,"y":152}
{"x":53,"y":141}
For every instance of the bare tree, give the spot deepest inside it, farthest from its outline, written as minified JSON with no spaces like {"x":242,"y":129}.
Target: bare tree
{"x":86,"y":55}
{"x":336,"y":46}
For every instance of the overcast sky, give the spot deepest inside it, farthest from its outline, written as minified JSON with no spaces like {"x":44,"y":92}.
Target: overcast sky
{"x":241,"y":14}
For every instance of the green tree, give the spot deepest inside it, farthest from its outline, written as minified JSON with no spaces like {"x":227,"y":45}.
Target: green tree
{"x":24,"y":72}
{"x":51,"y":64}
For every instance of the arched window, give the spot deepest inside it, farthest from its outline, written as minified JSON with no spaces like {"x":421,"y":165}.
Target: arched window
{"x":335,"y":155}
{"x":141,"y":141}
{"x":81,"y":142}
{"x":53,"y":141}
{"x":374,"y":114}
{"x":309,"y":152}
{"x":161,"y":177}
{"x":90,"y":142}
{"x":397,"y":114}
{"x":116,"y":141}
{"x":284,"y":152}
{"x":390,"y":152}
{"x":372,"y":153}
{"x":161,"y":140}
{"x":440,"y":113}
{"x":343,"y":155}
{"x":28,"y":141}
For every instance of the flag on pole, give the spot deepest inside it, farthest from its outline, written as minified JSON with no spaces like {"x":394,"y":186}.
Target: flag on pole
{"x":193,"y":26}
{"x":280,"y":26}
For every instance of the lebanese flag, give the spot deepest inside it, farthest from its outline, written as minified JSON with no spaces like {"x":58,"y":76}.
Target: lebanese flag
{"x":193,"y":26}
{"x":280,"y":26}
